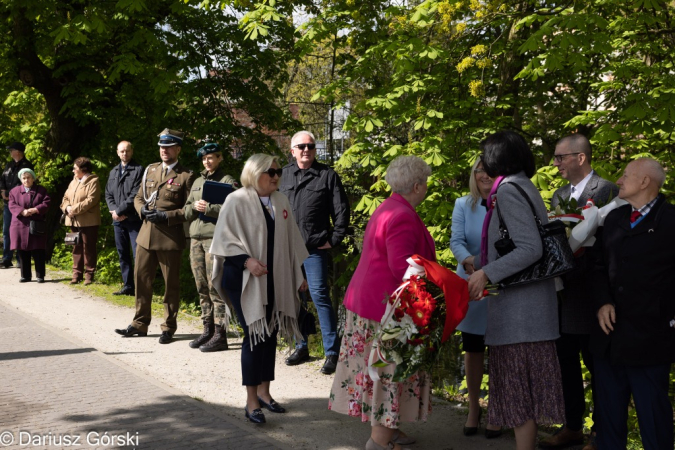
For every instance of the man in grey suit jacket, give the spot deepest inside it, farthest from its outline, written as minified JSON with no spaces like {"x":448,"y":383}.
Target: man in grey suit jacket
{"x":573,"y":160}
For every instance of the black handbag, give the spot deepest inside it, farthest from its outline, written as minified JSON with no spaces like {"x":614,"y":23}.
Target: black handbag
{"x":557,"y":257}
{"x":306,"y":320}
{"x":36,"y":227}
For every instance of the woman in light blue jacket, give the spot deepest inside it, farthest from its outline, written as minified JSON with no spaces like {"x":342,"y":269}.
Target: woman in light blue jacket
{"x":467,"y":223}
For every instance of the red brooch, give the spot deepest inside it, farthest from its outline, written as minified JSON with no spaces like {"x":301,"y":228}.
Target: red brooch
{"x":285,"y":214}
{"x":170,"y":181}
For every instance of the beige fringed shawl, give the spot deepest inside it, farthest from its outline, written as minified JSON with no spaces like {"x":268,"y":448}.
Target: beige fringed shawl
{"x":241,"y":229}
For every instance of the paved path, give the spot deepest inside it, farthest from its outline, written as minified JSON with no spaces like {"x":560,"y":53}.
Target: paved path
{"x":63,"y":370}
{"x":56,"y":390}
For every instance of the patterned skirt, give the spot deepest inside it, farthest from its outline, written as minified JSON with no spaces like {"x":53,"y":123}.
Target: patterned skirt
{"x":525,"y":384}
{"x":380,"y":402}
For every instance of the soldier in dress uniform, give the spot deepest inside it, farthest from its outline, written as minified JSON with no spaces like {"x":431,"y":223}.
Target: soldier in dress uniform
{"x":160,"y":201}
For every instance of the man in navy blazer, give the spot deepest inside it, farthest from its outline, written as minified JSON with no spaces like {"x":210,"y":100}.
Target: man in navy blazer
{"x":573,"y":159}
{"x":633,"y":344}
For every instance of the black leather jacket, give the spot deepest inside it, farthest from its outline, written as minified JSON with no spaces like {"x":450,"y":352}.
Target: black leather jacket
{"x":317,"y":196}
{"x":10,"y":177}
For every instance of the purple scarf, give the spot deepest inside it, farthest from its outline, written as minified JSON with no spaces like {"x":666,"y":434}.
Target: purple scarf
{"x":486,"y":222}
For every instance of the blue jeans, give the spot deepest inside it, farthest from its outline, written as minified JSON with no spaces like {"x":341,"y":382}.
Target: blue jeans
{"x":125,"y":236}
{"x":7,"y":254}
{"x":316,"y":269}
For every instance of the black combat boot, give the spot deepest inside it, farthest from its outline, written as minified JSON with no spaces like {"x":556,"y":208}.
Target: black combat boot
{"x":218,"y":342}
{"x":205,"y":336}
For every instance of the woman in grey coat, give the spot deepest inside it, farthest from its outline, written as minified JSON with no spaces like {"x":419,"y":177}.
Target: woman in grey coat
{"x":522,"y":324}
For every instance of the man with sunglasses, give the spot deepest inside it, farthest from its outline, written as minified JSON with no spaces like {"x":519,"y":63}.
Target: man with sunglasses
{"x":573,"y":159}
{"x":317,"y":197}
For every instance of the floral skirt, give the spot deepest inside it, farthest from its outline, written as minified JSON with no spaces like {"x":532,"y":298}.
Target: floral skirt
{"x":380,"y":402}
{"x":525,"y":384}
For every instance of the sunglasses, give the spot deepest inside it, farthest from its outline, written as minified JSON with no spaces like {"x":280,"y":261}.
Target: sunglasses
{"x":305,"y":146}
{"x":272,"y":172}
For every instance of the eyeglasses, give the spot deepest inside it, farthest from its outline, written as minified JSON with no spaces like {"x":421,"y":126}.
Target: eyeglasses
{"x":479,"y":171}
{"x":559,"y":158}
{"x":271,"y":172}
{"x":305,"y":146}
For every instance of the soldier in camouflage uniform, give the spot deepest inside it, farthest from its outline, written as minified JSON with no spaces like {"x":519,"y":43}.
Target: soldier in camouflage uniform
{"x":214,"y":337}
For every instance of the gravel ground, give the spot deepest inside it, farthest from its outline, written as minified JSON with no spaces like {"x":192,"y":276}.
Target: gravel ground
{"x":215,"y":377}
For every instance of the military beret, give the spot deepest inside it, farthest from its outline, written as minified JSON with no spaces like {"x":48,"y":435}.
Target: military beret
{"x":169,"y":138}
{"x":211,"y":147}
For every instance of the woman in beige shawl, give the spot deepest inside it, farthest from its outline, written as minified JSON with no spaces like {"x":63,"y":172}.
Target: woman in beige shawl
{"x":261,"y":274}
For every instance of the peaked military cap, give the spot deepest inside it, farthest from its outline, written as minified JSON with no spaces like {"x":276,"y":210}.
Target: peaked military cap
{"x":169,"y":138}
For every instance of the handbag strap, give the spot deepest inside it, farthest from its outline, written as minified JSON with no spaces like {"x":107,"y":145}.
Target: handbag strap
{"x":503,"y":230}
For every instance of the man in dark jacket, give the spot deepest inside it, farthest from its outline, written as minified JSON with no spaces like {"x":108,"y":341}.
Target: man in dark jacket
{"x":634,"y":343}
{"x":123,"y":184}
{"x":317,"y":197}
{"x":9,"y":180}
{"x":573,"y":159}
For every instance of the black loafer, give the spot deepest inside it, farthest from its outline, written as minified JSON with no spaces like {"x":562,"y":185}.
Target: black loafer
{"x":166,"y":337}
{"x":125,"y":291}
{"x":130,"y":332}
{"x":41,"y":280}
{"x":299,"y":356}
{"x":255,"y":416}
{"x":272,"y":406}
{"x":24,"y":280}
{"x":330,"y":365}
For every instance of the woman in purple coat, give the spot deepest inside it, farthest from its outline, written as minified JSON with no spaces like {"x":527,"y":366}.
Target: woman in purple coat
{"x":28,"y":202}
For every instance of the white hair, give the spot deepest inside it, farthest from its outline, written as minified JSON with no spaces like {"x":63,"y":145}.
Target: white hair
{"x":653,"y":170}
{"x":254,"y":167}
{"x":300,"y":133}
{"x":404,"y":171}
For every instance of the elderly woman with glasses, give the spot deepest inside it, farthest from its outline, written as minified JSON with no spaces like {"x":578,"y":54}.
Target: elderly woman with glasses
{"x":28,"y":203}
{"x":263,"y":252}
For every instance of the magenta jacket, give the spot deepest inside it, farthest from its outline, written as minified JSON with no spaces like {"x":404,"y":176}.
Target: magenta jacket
{"x":393,"y":234}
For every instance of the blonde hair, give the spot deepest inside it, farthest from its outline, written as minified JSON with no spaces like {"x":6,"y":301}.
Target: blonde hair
{"x":474,"y":192}
{"x":404,"y":171}
{"x":254,"y":167}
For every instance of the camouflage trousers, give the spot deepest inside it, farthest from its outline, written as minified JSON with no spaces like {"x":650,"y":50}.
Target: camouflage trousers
{"x":201,"y":262}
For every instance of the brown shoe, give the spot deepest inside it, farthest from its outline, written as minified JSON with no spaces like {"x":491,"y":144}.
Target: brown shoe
{"x":87,"y":282}
{"x":563,"y":438}
{"x":75,"y":281}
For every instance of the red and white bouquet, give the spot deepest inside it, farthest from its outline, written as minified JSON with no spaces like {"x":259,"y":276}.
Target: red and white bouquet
{"x":421,"y":315}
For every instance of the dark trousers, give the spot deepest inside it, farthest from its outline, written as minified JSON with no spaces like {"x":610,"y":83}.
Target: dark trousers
{"x":125,"y":239}
{"x":7,"y":252}
{"x":568,"y":347}
{"x":38,"y":257}
{"x":649,"y":387}
{"x":84,"y":254}
{"x":257,"y":363}
{"x":145,"y":271}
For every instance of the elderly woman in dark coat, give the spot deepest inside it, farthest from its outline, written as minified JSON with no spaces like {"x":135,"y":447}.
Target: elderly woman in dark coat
{"x":28,"y":202}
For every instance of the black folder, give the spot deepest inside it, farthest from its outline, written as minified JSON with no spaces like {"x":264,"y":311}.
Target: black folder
{"x":214,"y":192}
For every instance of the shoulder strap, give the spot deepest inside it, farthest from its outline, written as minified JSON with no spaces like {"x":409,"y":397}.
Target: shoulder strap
{"x":529,"y":202}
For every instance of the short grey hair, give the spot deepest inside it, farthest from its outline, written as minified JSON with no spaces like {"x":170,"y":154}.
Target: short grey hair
{"x":254,"y":167}
{"x":300,"y":133}
{"x":653,"y":170}
{"x":404,"y":171}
